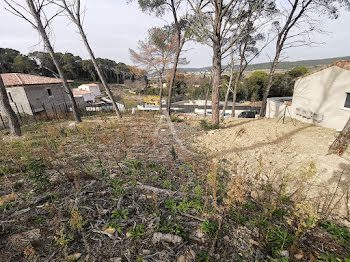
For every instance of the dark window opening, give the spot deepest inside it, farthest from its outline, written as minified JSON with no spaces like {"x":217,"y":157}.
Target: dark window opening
{"x":10,"y":96}
{"x":347,"y":101}
{"x":49,"y":92}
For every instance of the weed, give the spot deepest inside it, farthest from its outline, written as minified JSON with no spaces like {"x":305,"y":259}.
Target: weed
{"x":169,"y":225}
{"x":39,"y":220}
{"x":205,"y":126}
{"x":171,"y":205}
{"x":135,"y":164}
{"x":62,"y":238}
{"x":210,"y":227}
{"x":176,"y":119}
{"x":120,"y":214}
{"x":187,"y":204}
{"x":137,"y":232}
{"x":37,"y":173}
{"x":173,"y":153}
{"x":118,"y":188}
{"x":6,"y":207}
{"x":278,"y":239}
{"x":166,"y":184}
{"x":203,"y":256}
{"x":238,"y":218}
{"x":342,"y":235}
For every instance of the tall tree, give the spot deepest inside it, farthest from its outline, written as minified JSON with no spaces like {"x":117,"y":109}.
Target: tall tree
{"x":5,"y":107}
{"x":23,"y":64}
{"x":40,"y":22}
{"x":7,"y":55}
{"x":160,"y":8}
{"x":219,"y":24}
{"x":156,"y":54}
{"x":294,"y":27}
{"x":73,"y":10}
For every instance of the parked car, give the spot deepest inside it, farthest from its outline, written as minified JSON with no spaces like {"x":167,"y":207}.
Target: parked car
{"x":247,"y":114}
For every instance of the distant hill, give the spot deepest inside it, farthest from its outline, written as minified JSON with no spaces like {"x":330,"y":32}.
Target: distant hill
{"x":310,"y":64}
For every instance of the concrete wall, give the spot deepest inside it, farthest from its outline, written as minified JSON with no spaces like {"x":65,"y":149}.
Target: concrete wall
{"x":275,"y":108}
{"x":89,"y":97}
{"x":19,"y":99}
{"x":39,"y":96}
{"x":94,"y":89}
{"x":320,"y":97}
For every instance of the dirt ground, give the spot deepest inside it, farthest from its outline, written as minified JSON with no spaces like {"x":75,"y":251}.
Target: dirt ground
{"x":286,"y":151}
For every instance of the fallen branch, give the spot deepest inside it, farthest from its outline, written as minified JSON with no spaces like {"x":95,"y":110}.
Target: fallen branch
{"x":155,"y":189}
{"x":158,"y":237}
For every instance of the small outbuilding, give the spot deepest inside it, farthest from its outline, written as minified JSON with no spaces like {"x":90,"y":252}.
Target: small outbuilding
{"x":32,"y":94}
{"x":93,"y":88}
{"x":323,"y":97}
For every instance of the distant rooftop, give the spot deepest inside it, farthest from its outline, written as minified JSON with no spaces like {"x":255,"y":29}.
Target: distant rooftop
{"x":17,"y":79}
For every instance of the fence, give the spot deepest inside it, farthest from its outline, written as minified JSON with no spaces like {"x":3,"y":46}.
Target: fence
{"x":51,"y":112}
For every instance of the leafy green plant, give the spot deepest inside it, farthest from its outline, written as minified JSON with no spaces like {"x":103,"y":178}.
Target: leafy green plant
{"x":135,"y":164}
{"x":237,"y":217}
{"x":278,"y":239}
{"x":206,"y":126}
{"x":342,"y":235}
{"x":138,"y":232}
{"x":119,"y":214}
{"x":210,"y":227}
{"x":166,"y":184}
{"x":118,"y":188}
{"x":169,"y":225}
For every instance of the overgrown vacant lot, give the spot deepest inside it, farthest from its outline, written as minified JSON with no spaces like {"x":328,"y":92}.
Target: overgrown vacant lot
{"x":135,"y":190}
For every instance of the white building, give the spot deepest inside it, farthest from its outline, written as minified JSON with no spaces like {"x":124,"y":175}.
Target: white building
{"x":93,"y":88}
{"x":323,"y":97}
{"x":86,"y":95}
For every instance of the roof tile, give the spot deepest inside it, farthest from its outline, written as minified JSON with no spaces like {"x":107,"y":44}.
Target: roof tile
{"x":17,"y":79}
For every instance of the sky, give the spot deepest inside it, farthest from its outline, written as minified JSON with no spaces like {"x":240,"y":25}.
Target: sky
{"x":113,"y":26}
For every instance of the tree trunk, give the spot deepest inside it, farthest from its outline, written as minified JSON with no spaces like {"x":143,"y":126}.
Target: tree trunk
{"x":179,"y":45}
{"x":216,"y":83}
{"x":98,"y":70}
{"x":269,"y":84}
{"x":5,"y":107}
{"x":160,"y":94}
{"x":226,"y":101}
{"x":341,"y":143}
{"x":235,"y":88}
{"x":228,"y":87}
{"x":50,"y":49}
{"x":206,"y":102}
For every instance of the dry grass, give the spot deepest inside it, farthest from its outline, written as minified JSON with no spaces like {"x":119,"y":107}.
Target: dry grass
{"x":102,"y":189}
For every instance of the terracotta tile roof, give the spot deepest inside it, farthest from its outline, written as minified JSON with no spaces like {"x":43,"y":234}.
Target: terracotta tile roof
{"x":345,"y":64}
{"x":78,"y":92}
{"x":17,"y":79}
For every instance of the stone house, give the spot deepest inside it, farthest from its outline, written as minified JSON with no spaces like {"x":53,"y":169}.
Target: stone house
{"x":33,"y":94}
